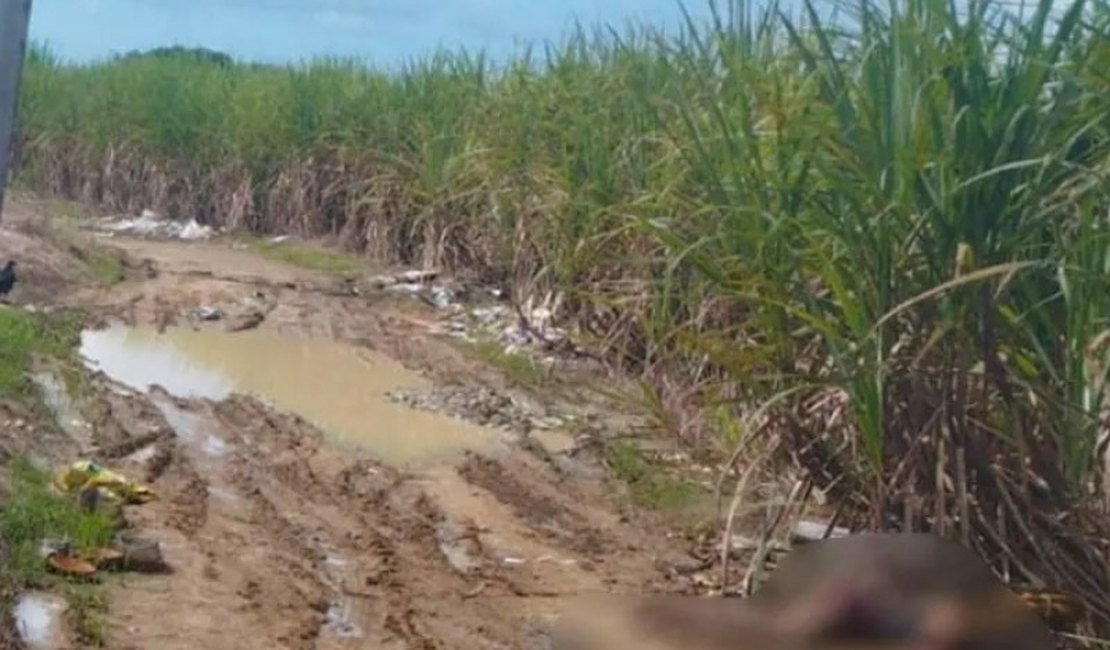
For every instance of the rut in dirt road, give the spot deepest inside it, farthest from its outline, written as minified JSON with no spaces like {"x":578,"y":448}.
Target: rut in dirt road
{"x":300,"y":507}
{"x":306,"y":545}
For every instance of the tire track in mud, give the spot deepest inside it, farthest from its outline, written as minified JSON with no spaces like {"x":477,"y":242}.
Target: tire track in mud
{"x":545,"y":514}
{"x":280,"y":537}
{"x":214,"y":546}
{"x":381,"y":525}
{"x":344,"y":551}
{"x":365,"y":517}
{"x":377,"y":524}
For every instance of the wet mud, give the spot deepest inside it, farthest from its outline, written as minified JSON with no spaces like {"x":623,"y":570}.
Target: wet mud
{"x":299,"y":504}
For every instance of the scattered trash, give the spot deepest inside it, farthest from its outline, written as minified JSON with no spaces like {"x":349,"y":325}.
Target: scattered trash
{"x":128,"y":553}
{"x":503,"y":325}
{"x":417,"y":276}
{"x":279,"y":239}
{"x":411,"y":288}
{"x":85,"y":475}
{"x":530,"y":329}
{"x":415,"y":283}
{"x":442,"y":297}
{"x":60,"y":558}
{"x":50,"y":546}
{"x":152,"y":224}
{"x":513,"y":561}
{"x":39,"y":619}
{"x":207,"y":314}
{"x":438,"y":296}
{"x":194,"y":230}
{"x":71,"y":566}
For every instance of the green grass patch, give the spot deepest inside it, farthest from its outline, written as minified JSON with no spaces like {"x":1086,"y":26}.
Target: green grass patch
{"x":517,"y":367}
{"x":307,"y":256}
{"x":650,"y":485}
{"x":106,"y":264}
{"x":24,"y":335}
{"x":88,"y":607}
{"x":65,"y":209}
{"x":34,"y":512}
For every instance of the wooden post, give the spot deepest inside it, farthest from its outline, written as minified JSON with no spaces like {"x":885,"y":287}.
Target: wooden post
{"x":15,"y":16}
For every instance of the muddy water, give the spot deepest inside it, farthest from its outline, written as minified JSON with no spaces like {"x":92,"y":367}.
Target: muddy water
{"x":339,"y":388}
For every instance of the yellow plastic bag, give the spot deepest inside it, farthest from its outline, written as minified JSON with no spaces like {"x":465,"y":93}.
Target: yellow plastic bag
{"x":87,"y":474}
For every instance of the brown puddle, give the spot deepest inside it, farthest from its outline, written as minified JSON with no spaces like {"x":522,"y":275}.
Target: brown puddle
{"x":339,"y":388}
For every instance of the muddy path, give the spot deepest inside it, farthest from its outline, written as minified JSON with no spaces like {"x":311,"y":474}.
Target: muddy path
{"x":299,"y":506}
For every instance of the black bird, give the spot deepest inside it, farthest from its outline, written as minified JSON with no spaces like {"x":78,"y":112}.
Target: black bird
{"x":7,"y":278}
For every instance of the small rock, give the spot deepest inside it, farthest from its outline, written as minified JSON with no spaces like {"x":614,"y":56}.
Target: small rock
{"x":208,"y":313}
{"x":246,"y":321}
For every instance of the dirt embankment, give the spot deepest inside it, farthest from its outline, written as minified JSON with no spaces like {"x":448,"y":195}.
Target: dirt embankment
{"x":281,"y":533}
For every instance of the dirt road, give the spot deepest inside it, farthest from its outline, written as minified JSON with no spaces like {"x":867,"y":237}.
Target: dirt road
{"x":299,"y":507}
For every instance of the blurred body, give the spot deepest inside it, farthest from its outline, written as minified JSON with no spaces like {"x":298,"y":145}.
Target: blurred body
{"x":891,"y":591}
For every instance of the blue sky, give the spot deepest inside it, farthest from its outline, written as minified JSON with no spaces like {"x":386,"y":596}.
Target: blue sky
{"x":382,"y":31}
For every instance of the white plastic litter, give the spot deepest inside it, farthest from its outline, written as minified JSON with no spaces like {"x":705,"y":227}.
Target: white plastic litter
{"x":152,"y":224}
